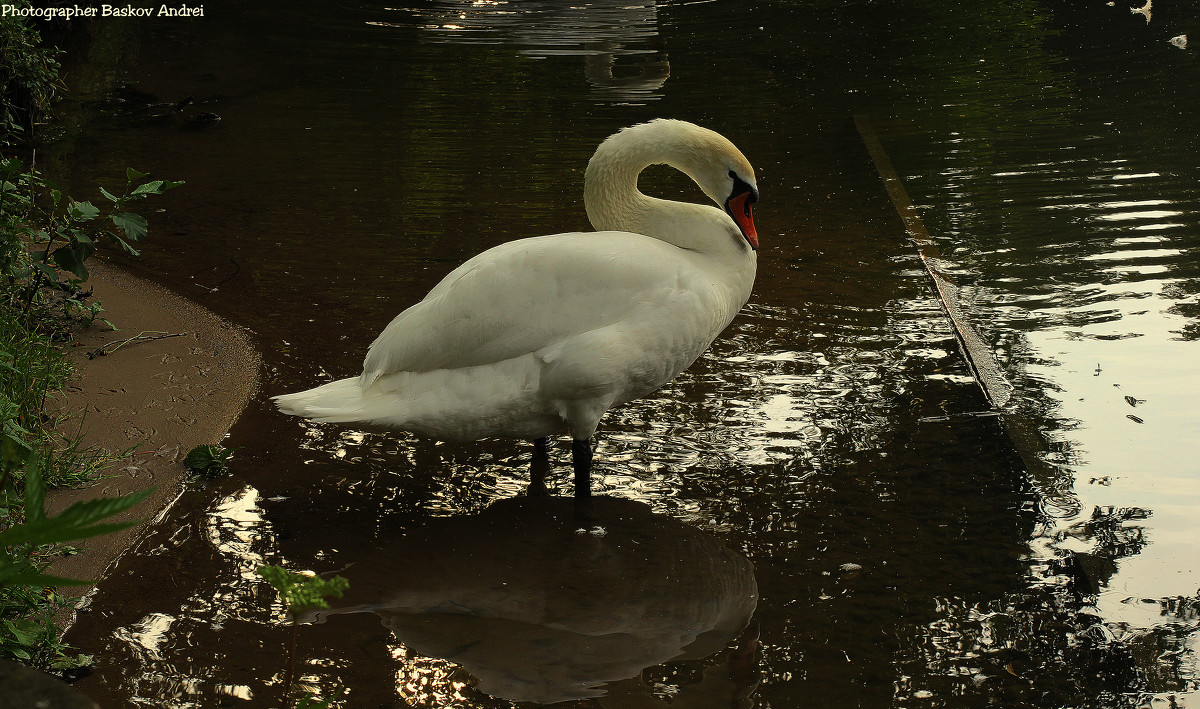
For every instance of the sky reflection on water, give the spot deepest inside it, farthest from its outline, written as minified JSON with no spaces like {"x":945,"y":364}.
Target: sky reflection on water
{"x":1101,"y":337}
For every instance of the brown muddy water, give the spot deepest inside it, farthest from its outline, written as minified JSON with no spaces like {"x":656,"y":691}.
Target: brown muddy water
{"x":821,"y":511}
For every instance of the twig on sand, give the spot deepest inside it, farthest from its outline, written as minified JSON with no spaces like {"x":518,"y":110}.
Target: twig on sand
{"x":143,"y":336}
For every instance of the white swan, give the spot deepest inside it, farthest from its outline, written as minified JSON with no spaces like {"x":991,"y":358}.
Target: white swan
{"x":543,"y":335}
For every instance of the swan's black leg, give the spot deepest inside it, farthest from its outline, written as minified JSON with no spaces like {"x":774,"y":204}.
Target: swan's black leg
{"x":539,"y":467}
{"x":581,"y":460}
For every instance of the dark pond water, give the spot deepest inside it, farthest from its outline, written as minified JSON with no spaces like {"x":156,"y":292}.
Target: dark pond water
{"x":816,"y":513}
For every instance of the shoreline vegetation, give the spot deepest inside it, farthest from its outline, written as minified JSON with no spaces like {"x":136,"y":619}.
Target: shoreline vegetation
{"x":138,"y":404}
{"x":46,"y":240}
{"x":57,"y":435}
{"x":34,"y":368}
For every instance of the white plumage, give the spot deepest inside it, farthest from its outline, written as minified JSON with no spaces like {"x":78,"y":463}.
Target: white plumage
{"x":541,"y":336}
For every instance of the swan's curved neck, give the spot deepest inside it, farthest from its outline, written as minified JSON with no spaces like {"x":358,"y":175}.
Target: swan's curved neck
{"x":613,"y":201}
{"x":610,"y":188}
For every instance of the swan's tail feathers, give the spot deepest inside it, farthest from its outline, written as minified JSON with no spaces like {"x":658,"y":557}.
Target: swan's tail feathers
{"x":339,"y":401}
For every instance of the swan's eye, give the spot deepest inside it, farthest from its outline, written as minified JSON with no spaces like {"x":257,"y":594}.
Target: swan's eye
{"x":740,"y":186}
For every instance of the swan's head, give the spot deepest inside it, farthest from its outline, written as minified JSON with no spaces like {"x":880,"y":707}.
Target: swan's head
{"x":742,"y":193}
{"x":717,"y":166}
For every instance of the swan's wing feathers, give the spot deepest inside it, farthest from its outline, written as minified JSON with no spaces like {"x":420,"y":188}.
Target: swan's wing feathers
{"x":524,"y":296}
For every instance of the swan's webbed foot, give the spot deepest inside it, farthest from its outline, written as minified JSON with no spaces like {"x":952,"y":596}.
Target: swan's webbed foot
{"x":539,"y":467}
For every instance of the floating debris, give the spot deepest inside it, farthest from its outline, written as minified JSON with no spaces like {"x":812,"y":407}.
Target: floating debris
{"x":1143,"y":10}
{"x":1180,"y":41}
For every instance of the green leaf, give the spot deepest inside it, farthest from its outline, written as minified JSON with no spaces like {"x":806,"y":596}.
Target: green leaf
{"x":134,"y":226}
{"x":66,"y":662}
{"x":71,"y":258}
{"x":125,"y":245}
{"x":24,"y":631}
{"x":14,"y":451}
{"x":47,"y":270}
{"x":82,"y":211}
{"x":81,"y":514}
{"x":35,"y":493}
{"x":133,"y":175}
{"x":10,"y":167}
{"x":208,"y":459}
{"x":311,"y":701}
{"x":109,"y":195}
{"x":302,"y":592}
{"x":79,"y":521}
{"x":152,"y":187}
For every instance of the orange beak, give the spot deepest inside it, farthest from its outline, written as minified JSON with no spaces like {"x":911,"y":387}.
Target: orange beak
{"x":738,"y":207}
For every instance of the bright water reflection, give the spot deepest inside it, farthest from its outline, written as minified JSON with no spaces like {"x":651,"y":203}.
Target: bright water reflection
{"x":1105,"y":338}
{"x":1087,"y":269}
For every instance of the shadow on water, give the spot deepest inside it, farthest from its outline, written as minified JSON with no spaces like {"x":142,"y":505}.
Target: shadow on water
{"x":904,"y":554}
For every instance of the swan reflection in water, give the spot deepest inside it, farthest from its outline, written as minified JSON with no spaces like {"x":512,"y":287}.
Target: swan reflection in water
{"x":624,"y":56}
{"x":538,"y":610}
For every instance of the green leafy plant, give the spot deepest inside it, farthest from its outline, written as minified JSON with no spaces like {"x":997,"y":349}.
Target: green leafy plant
{"x":27,"y":631}
{"x":30,"y":367}
{"x":301,"y":593}
{"x":86,"y":313}
{"x":65,"y":233}
{"x":45,"y":241}
{"x":79,"y":521}
{"x":33,"y":456}
{"x":28,"y":74}
{"x":33,"y":369}
{"x":208,"y":460}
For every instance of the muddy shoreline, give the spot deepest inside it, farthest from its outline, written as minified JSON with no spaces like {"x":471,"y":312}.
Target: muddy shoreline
{"x":181,"y":381}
